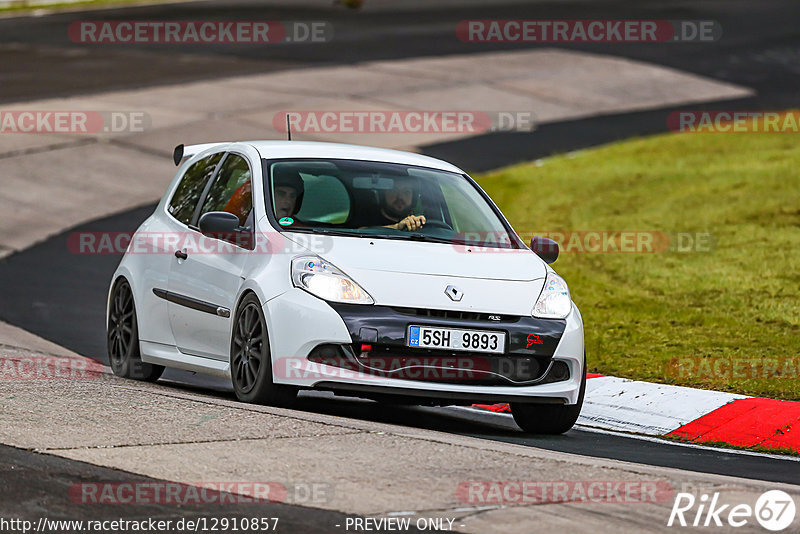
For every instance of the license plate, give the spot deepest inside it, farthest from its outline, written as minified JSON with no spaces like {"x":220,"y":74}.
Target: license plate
{"x":430,"y":337}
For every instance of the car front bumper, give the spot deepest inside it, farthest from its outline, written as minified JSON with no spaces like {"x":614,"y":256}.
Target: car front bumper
{"x":299,"y":324}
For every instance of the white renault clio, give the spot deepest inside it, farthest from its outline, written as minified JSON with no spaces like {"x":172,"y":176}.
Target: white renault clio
{"x":289,"y":265}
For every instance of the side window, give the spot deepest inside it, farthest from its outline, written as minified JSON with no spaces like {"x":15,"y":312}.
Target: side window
{"x":231,"y":190}
{"x":190,"y":189}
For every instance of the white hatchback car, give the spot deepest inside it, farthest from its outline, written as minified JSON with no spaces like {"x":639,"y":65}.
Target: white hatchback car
{"x":288,"y":265}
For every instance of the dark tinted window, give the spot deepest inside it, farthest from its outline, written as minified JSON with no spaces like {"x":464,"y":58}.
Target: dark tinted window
{"x":188,"y":193}
{"x":231,"y":190}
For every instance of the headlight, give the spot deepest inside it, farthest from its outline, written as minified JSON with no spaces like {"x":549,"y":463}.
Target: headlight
{"x":554,"y":301}
{"x":325,"y":281}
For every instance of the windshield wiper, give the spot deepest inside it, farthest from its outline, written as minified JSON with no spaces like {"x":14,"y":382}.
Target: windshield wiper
{"x":404,"y":236}
{"x":422,"y":237}
{"x":345,"y":233}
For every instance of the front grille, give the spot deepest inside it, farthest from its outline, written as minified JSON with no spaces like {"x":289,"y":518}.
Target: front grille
{"x":457,"y":314}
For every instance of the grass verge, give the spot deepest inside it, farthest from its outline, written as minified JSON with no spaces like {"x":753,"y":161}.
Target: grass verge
{"x":727,"y":318}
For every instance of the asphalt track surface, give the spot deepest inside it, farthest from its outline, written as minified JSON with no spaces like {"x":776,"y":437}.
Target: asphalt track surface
{"x":60,"y":296}
{"x":38,"y":485}
{"x":758,"y":48}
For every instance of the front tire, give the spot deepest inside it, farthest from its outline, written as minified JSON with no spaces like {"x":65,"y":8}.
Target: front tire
{"x":251,"y":360}
{"x":549,"y":418}
{"x":123,"y":338}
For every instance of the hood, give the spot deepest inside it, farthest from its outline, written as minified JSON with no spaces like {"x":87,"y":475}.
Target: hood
{"x":415,"y":257}
{"x":416,"y":274}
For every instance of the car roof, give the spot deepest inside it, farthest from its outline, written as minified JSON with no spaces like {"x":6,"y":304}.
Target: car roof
{"x":312,"y":149}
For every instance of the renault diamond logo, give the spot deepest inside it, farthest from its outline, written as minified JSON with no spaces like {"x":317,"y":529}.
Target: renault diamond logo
{"x":454,"y":293}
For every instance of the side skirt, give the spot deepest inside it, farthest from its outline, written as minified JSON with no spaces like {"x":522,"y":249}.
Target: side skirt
{"x":169,"y":356}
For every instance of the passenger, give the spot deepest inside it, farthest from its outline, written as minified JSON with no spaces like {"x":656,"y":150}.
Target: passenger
{"x":287,"y":192}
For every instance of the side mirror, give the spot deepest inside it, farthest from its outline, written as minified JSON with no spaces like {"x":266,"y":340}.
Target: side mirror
{"x":545,"y":248}
{"x":218,"y":222}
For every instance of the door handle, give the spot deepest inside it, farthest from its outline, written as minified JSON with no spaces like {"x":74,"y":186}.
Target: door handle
{"x":181,"y":255}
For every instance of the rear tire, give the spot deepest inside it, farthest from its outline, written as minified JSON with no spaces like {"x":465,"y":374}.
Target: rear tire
{"x":123,"y":337}
{"x":549,"y":418}
{"x":251,"y":360}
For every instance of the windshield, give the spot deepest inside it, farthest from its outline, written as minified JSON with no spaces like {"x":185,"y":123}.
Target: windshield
{"x":376,"y":199}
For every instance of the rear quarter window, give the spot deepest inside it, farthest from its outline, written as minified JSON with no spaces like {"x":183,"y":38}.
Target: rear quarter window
{"x":184,"y":201}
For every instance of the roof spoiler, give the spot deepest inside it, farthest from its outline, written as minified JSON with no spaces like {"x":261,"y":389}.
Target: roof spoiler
{"x":181,"y":151}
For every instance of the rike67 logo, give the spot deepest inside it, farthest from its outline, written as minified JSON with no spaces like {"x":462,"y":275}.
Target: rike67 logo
{"x":774,"y":510}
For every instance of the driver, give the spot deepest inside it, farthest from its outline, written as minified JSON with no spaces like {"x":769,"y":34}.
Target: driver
{"x":396,"y":205}
{"x":287,"y":191}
